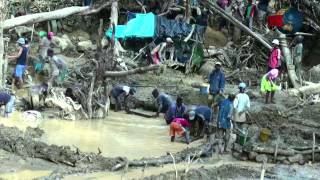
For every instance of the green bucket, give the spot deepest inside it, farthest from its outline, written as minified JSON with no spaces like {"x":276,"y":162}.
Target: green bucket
{"x":242,"y":139}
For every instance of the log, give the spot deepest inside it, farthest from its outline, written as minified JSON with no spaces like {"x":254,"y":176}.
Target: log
{"x":130,"y":72}
{"x":97,"y":10}
{"x":44,"y":16}
{"x":215,"y":8}
{"x":288,"y":59}
{"x":270,"y":150}
{"x":2,"y":15}
{"x":305,"y":90}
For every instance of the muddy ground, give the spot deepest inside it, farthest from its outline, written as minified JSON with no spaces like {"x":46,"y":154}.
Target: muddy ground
{"x":295,"y":128}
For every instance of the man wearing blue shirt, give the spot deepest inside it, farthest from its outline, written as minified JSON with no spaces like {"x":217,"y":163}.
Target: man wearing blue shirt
{"x":216,"y":89}
{"x":176,"y":110}
{"x":163,"y":101}
{"x":224,"y":122}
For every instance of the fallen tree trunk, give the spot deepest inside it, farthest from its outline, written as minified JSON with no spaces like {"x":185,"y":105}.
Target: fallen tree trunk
{"x":270,"y":150}
{"x":96,"y":10}
{"x":214,"y":7}
{"x":288,"y":59}
{"x":130,"y":72}
{"x":45,"y":16}
{"x":306,"y":90}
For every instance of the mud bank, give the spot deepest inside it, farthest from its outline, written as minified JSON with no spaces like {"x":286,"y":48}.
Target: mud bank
{"x":23,"y":144}
{"x":241,"y":171}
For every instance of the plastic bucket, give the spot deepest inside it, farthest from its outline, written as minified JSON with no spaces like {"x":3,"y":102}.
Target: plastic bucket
{"x":204,"y":89}
{"x":242,"y":139}
{"x":265,"y":134}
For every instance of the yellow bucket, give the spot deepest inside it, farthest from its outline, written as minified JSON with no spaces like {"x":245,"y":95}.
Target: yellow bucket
{"x":265,"y":134}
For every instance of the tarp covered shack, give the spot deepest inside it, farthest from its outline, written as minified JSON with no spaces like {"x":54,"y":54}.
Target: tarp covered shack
{"x":152,"y":26}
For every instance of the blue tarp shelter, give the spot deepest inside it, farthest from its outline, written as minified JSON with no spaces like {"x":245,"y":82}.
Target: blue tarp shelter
{"x":142,"y":26}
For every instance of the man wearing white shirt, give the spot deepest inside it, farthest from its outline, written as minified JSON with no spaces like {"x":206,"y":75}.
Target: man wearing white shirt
{"x":241,"y":105}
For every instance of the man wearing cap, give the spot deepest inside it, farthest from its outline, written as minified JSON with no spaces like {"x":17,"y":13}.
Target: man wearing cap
{"x":200,"y":115}
{"x":157,"y":52}
{"x":224,"y":122}
{"x":241,"y":105}
{"x":163,"y":102}
{"x":120,"y":94}
{"x":216,"y":89}
{"x":21,"y":58}
{"x":274,"y":58}
{"x":8,"y":101}
{"x":176,"y":110}
{"x":268,"y":85}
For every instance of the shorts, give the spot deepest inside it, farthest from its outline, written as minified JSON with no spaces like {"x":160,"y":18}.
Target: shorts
{"x":9,"y":105}
{"x":19,"y":71}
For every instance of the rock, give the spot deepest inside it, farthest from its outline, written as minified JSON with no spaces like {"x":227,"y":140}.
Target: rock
{"x":206,"y":68}
{"x":296,"y":158}
{"x":286,"y":162}
{"x":253,"y":94}
{"x":104,"y":42}
{"x":80,"y":35}
{"x":281,"y":158}
{"x":301,"y":162}
{"x":82,"y":38}
{"x":262,"y":158}
{"x":237,"y":147}
{"x":86,"y":46}
{"x":236,"y":155}
{"x":314,"y":74}
{"x":252,"y":155}
{"x":64,"y":42}
{"x":243,"y":157}
{"x":57,"y":50}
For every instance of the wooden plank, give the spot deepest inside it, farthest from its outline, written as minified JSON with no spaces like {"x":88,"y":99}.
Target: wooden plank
{"x":143,"y":113}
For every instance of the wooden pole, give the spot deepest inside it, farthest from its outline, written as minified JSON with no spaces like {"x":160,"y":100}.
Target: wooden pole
{"x":288,"y":59}
{"x":276,"y":149}
{"x":2,"y":16}
{"x":313,"y":145}
{"x":130,"y":72}
{"x":44,"y":16}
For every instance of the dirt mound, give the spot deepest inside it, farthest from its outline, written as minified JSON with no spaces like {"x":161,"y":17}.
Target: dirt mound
{"x":223,"y":172}
{"x":215,"y":38}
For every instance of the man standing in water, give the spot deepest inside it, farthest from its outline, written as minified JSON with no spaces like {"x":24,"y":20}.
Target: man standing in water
{"x":163,"y":102}
{"x":120,"y":94}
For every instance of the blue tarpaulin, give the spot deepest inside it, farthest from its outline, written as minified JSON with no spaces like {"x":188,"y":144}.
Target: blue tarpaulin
{"x":295,"y":18}
{"x":142,"y":26}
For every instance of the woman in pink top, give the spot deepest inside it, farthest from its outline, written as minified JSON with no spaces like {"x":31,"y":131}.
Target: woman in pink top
{"x":274,"y":58}
{"x":179,"y":126}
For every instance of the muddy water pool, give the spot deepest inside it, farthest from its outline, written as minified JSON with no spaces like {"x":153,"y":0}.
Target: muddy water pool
{"x":120,"y":134}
